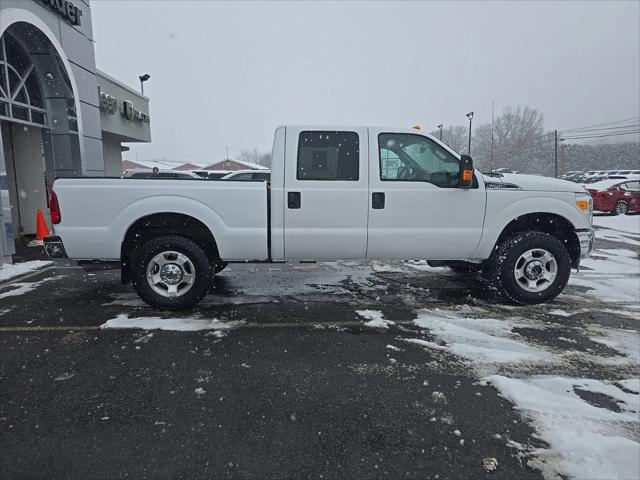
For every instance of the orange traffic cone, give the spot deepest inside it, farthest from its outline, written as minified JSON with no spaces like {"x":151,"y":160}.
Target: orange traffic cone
{"x":41,"y":227}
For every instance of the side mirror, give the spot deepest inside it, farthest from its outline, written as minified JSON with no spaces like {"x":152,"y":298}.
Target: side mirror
{"x":465,"y":175}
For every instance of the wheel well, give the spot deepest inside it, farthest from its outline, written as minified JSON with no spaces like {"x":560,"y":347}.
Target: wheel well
{"x":550,"y":223}
{"x":159,"y":225}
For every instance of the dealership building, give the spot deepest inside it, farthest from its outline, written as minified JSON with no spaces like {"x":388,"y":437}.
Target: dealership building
{"x":59,"y":115}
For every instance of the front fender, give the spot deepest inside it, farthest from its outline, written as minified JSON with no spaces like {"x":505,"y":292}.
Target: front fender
{"x":505,"y":206}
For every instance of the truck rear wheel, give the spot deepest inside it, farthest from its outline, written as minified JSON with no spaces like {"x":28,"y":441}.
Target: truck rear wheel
{"x":171,"y":273}
{"x":531,"y":267}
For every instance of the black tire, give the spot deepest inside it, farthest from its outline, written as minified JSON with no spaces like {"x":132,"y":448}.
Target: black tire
{"x":460,"y":266}
{"x":509,"y":252}
{"x":202,"y":266}
{"x":620,"y":208}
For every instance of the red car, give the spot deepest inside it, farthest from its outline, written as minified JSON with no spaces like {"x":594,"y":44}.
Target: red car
{"x":615,"y":196}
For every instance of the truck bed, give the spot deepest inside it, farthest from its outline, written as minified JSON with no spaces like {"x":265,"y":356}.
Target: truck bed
{"x":97,"y":212}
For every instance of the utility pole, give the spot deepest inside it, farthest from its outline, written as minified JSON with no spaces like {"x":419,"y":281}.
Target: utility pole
{"x":470,"y":117}
{"x":555,"y":151}
{"x":440,"y":127}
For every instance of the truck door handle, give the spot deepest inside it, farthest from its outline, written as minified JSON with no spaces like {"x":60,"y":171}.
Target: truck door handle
{"x":294,"y":200}
{"x":377,"y":200}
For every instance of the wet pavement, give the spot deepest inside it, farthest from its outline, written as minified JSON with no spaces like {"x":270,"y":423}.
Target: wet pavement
{"x":295,"y":385}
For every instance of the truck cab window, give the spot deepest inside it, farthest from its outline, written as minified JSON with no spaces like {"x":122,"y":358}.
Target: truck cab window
{"x":328,"y":156}
{"x":415,"y":158}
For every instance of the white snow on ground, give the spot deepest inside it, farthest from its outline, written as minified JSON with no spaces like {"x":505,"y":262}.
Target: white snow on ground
{"x":586,"y":441}
{"x":176,"y":324}
{"x":631,"y":384}
{"x":622,"y":223}
{"x":611,"y":275}
{"x":422,"y":265}
{"x":375,"y":318}
{"x":385,"y":267}
{"x":479,"y":340}
{"x":20,"y":288}
{"x":624,"y":341}
{"x":7,"y":271}
{"x":606,"y":234}
{"x":621,"y":228}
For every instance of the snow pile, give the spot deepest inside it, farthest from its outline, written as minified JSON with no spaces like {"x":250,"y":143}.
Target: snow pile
{"x":7,"y":271}
{"x":177,"y":324}
{"x":375,"y":318}
{"x":586,"y":441}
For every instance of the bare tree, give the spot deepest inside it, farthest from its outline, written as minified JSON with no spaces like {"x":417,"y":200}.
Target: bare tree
{"x":516,"y":132}
{"x":455,"y":136}
{"x":255,"y":156}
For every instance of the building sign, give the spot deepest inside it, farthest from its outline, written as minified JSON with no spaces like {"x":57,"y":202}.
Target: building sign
{"x":131,"y":113}
{"x":109,"y":105}
{"x":65,"y":9}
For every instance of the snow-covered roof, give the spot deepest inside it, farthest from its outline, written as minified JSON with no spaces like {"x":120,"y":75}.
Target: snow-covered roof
{"x":163,"y":164}
{"x":166,"y":165}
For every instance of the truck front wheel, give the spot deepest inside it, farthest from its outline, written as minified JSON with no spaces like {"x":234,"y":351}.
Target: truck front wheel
{"x":171,"y":273}
{"x":531,"y":267}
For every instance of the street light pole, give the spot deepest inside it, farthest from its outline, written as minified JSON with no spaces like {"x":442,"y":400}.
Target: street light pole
{"x":440,"y":127}
{"x":143,"y":78}
{"x":470,"y":117}
{"x":491,"y":169}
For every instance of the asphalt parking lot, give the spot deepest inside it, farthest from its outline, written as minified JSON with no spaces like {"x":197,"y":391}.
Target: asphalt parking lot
{"x":328,"y":370}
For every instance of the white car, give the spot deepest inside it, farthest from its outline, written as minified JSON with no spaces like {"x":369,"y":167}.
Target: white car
{"x":335,"y":193}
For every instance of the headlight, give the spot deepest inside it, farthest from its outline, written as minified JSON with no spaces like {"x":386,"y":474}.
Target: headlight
{"x":585,"y":203}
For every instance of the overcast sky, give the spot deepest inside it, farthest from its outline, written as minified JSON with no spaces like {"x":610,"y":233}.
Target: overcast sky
{"x":228,"y":73}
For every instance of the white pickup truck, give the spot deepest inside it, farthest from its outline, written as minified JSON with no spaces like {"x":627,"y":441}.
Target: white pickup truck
{"x":335,"y":193}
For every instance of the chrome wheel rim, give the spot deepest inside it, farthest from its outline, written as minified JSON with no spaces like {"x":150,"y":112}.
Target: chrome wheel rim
{"x":621,"y":208}
{"x":536,"y":270}
{"x":171,"y":274}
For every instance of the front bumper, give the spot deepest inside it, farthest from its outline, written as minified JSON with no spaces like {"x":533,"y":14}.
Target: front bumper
{"x":54,"y":247}
{"x":585,"y":238}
